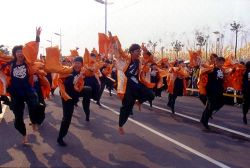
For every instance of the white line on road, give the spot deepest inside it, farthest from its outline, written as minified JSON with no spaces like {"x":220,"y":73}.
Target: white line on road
{"x":220,"y":164}
{"x":3,"y":111}
{"x":194,"y":119}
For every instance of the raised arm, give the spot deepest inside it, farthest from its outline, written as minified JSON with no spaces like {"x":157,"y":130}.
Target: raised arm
{"x":38,"y":33}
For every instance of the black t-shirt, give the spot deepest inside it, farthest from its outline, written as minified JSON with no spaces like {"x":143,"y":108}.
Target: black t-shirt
{"x":215,"y":82}
{"x":69,"y":85}
{"x":132,"y":71}
{"x":20,"y":80}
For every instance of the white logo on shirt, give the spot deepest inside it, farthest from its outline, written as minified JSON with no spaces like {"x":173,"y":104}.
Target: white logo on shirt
{"x":19,"y":72}
{"x":220,"y":74}
{"x":76,"y":78}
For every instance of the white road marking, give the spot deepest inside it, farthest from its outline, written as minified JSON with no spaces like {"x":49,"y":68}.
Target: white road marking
{"x":3,"y":112}
{"x":194,"y":119}
{"x":211,"y":160}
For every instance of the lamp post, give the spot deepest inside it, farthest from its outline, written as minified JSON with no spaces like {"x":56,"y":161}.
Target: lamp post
{"x":162,"y":52}
{"x":235,"y":28}
{"x":206,"y":41}
{"x":60,"y":35}
{"x":177,"y":46}
{"x":105,"y":2}
{"x":217,"y":44}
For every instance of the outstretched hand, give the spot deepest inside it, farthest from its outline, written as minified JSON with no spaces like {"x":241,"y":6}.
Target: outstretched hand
{"x":144,"y":49}
{"x":38,"y":31}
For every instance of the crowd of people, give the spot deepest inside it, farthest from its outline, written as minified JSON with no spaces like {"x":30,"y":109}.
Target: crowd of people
{"x":135,"y":74}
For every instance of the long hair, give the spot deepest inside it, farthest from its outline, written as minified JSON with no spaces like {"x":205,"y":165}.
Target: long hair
{"x":15,"y":49}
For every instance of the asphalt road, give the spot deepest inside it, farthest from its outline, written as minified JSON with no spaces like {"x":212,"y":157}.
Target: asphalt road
{"x":153,"y":137}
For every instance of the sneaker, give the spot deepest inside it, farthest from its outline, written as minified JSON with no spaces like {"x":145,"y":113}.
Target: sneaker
{"x":61,"y":142}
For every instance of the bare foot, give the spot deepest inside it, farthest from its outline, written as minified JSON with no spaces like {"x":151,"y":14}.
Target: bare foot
{"x":121,"y":131}
{"x":25,"y":140}
{"x":34,"y":127}
{"x":138,"y":104}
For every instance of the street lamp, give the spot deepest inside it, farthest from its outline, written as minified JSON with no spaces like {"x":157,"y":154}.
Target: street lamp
{"x":217,"y":44}
{"x":235,"y":27}
{"x":201,"y":40}
{"x":60,"y":35}
{"x":106,"y":3}
{"x":206,"y":41}
{"x":177,"y":46}
{"x":50,"y":41}
{"x":162,"y":52}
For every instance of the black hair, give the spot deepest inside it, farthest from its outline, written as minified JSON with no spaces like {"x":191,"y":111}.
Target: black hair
{"x":78,"y":59}
{"x":221,"y":59}
{"x":92,"y":55}
{"x":214,"y":55}
{"x":134,"y":47}
{"x":15,"y":49}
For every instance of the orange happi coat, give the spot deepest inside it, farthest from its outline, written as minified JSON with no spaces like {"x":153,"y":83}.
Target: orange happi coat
{"x":60,"y":72}
{"x":203,"y":79}
{"x":175,"y":72}
{"x":35,"y":67}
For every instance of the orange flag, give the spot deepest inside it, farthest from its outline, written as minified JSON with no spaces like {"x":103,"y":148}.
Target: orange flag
{"x":74,"y":53}
{"x":5,"y":58}
{"x":52,"y":60}
{"x":195,"y":58}
{"x":30,"y":51}
{"x":104,"y":43}
{"x":86,"y":57}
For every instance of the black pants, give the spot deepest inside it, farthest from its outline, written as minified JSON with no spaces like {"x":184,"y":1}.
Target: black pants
{"x":102,"y":87}
{"x":17,"y":103}
{"x":214,"y":102}
{"x":171,"y":100}
{"x":132,"y":94}
{"x":93,"y":83}
{"x":86,"y":94}
{"x":203,"y":99}
{"x":68,"y":109}
{"x":246,"y":104}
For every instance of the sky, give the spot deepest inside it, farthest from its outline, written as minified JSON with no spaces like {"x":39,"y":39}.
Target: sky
{"x":134,"y":21}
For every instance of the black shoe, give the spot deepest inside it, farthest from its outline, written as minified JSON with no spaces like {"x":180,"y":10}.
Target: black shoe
{"x":61,"y":142}
{"x":245,"y":120}
{"x":172,"y":109}
{"x":52,"y":92}
{"x":98,"y":103}
{"x":87,"y":119}
{"x":151,"y":104}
